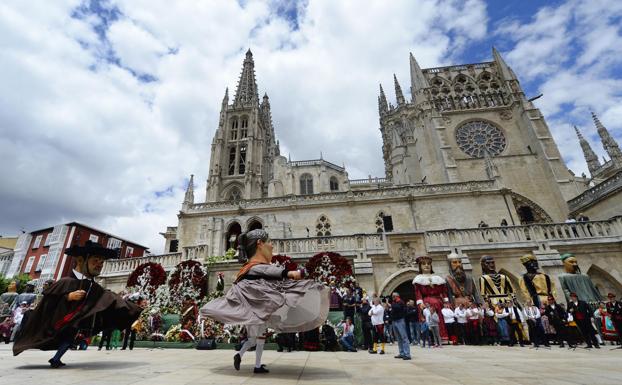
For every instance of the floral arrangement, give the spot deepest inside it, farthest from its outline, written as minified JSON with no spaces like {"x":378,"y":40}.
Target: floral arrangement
{"x":146,"y":278}
{"x":285,"y":261}
{"x":172,"y":335}
{"x":330,"y":269}
{"x":188,"y":279}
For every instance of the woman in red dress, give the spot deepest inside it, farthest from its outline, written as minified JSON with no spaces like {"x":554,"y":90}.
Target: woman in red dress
{"x":431,"y":288}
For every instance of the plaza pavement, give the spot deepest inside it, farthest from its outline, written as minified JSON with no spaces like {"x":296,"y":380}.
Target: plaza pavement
{"x":449,"y":365}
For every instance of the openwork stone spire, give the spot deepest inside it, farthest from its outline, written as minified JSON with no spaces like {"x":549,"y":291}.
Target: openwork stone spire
{"x":189,"y":197}
{"x":246,"y":95}
{"x":383,"y":106}
{"x":398,"y":92}
{"x":611,"y":146}
{"x":590,"y":156}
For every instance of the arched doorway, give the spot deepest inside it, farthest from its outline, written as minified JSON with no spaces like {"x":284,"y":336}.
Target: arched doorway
{"x":406,"y":290}
{"x":254,"y":225}
{"x":604,"y":281}
{"x":231,"y":237}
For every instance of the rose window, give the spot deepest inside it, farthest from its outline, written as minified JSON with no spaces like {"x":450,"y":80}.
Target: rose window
{"x":478,"y":138}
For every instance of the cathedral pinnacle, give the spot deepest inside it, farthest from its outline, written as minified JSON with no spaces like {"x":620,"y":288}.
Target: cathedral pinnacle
{"x":505,"y":70}
{"x":189,"y":197}
{"x":590,"y":157}
{"x":225,"y":99}
{"x":398,"y":92}
{"x":246,"y":93}
{"x":418,"y":82}
{"x":383,"y":106}
{"x":610,"y":145}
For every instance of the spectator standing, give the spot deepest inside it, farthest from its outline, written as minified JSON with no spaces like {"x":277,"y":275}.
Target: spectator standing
{"x":398,"y":315}
{"x":412,"y":321}
{"x":433,"y":321}
{"x":377,"y":320}
{"x":366,"y":323}
{"x":450,"y":322}
{"x":534,"y":321}
{"x":424,"y":325}
{"x":349,"y":305}
{"x":473,"y":316}
{"x":461,"y":322}
{"x":388,"y":323}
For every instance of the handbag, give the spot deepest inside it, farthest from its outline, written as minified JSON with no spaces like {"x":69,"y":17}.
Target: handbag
{"x":206,"y":344}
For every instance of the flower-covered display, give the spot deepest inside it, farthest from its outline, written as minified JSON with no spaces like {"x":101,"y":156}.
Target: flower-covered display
{"x":146,"y":278}
{"x":285,"y":261}
{"x":330,"y":269}
{"x":189,"y":279}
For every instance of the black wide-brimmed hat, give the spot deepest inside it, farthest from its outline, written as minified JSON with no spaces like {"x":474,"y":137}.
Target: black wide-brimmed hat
{"x":90,"y":249}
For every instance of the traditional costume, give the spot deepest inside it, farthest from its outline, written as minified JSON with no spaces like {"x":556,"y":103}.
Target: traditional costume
{"x":461,"y":288}
{"x":573,"y":281}
{"x":431,"y":288}
{"x":535,"y":285}
{"x":614,"y":308}
{"x":496,"y":288}
{"x":56,"y":321}
{"x":262,"y":297}
{"x":582,"y":314}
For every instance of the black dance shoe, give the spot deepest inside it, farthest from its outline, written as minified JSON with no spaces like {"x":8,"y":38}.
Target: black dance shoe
{"x":55,"y":364}
{"x":236,"y":361}
{"x":261,"y":369}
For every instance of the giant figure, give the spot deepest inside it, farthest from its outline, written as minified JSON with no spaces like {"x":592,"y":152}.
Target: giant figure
{"x":460,"y":285}
{"x":431,"y":288}
{"x":573,"y":281}
{"x":534,"y":284}
{"x":494,"y":287}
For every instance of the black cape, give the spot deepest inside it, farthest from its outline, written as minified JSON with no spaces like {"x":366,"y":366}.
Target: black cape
{"x":101,"y":309}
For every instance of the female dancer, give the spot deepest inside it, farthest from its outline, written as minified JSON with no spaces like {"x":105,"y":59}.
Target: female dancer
{"x":267,"y":296}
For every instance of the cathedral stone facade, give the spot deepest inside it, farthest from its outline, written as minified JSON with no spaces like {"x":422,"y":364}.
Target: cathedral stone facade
{"x":467,"y":147}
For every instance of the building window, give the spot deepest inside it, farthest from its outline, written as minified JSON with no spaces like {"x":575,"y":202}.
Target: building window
{"x":232,"y":161}
{"x":31,"y":261}
{"x":254,"y":225}
{"x":114,"y":243}
{"x":231,"y":238}
{"x":323,"y":227}
{"x":306,"y":184}
{"x":129,"y":251}
{"x":172,"y":248}
{"x":41,"y":262}
{"x":244,"y":129}
{"x":478,"y":138}
{"x":234,"y":129}
{"x":48,"y":238}
{"x":242,"y":163}
{"x":37,"y":241}
{"x":334,"y":184}
{"x":93,"y":238}
{"x":379,"y":222}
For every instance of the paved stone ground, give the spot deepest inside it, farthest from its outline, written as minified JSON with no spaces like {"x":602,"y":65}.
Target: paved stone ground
{"x":449,"y":365}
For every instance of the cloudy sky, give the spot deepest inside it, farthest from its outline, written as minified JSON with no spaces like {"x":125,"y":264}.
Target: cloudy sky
{"x":107,"y":107}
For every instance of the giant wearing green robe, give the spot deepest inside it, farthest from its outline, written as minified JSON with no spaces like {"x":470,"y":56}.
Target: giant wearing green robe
{"x":572,"y":281}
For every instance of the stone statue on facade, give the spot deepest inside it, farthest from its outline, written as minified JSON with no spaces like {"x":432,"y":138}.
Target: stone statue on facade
{"x":406,"y":256}
{"x":460,"y":285}
{"x":534,"y":284}
{"x":573,"y":281}
{"x":494,"y":287}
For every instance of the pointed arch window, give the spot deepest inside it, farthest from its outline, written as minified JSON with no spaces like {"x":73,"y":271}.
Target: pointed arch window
{"x":323,"y":227}
{"x":234,"y":129}
{"x":231,"y":161}
{"x":334,"y":184}
{"x":379,"y":222}
{"x":244,"y":128}
{"x":242,"y":160}
{"x":235,"y":195}
{"x":306,"y":184}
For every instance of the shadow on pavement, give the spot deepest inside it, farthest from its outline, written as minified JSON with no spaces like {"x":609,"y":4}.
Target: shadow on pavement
{"x":95,"y":365}
{"x":281,"y":371}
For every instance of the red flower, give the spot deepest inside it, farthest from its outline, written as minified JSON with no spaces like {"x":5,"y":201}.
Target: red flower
{"x":198,"y":277}
{"x":328,"y":266}
{"x":157,"y":276}
{"x":285,"y":261}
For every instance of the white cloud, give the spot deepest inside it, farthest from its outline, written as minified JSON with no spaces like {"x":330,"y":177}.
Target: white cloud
{"x":571,"y":54}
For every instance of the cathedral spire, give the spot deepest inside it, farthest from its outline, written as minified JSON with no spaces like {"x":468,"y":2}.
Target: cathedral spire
{"x":417,"y":80}
{"x":189,"y":197}
{"x":246,"y":94}
{"x":225,"y":99}
{"x":398,"y":92}
{"x":383,"y":106}
{"x":590,"y":156}
{"x":611,"y":146}
{"x":506,"y":71}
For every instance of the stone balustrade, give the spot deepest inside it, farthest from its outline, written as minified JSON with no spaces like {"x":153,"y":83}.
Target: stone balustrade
{"x":125,"y":266}
{"x":370,"y":181}
{"x":595,"y":193}
{"x":359,"y":245}
{"x":551,"y":234}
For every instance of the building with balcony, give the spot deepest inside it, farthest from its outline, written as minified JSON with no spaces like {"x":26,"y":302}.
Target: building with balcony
{"x":467,"y":146}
